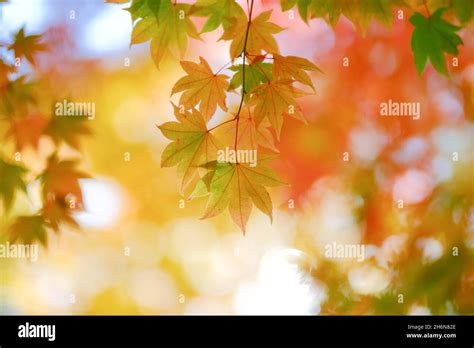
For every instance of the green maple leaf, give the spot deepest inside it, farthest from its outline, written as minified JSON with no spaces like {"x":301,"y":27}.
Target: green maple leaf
{"x":360,"y":12}
{"x":433,"y":37}
{"x":216,"y":11}
{"x":380,"y":10}
{"x":238,"y":187}
{"x":28,"y":229}
{"x":192,"y":145}
{"x":140,"y":9}
{"x":27,"y":46}
{"x":303,"y":6}
{"x":167,"y":25}
{"x":464,"y":9}
{"x":68,"y":130}
{"x":255,"y":74}
{"x":11,"y":180}
{"x":16,"y":96}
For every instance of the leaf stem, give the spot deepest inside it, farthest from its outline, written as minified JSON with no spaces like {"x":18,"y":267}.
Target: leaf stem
{"x":220,"y":124}
{"x":243,"y":73}
{"x":427,"y":9}
{"x":222,"y":68}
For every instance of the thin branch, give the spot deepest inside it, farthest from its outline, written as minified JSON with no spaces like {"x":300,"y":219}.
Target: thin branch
{"x":220,"y":124}
{"x":426,"y":8}
{"x":222,"y":68}
{"x":243,"y":73}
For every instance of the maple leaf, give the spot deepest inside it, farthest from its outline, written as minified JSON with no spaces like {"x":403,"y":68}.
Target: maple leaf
{"x":293,"y":67}
{"x":432,"y":37}
{"x":275,"y":99}
{"x":380,"y":10}
{"x":60,"y":180}
{"x":201,"y":86}
{"x":67,"y":129}
{"x":255,"y":74}
{"x":56,"y":212}
{"x":260,"y":34}
{"x":5,"y":69}
{"x":27,"y":130}
{"x":11,"y":180}
{"x":360,"y":12}
{"x":167,"y":25}
{"x":302,"y":7}
{"x":192,"y":144}
{"x":144,"y":30}
{"x":17,"y":95}
{"x":28,"y":229}
{"x":173,"y":28}
{"x":62,"y":193}
{"x":217,"y":11}
{"x":251,"y":135}
{"x":141,"y":8}
{"x":464,"y":9}
{"x":236,"y":186}
{"x":27,"y":46}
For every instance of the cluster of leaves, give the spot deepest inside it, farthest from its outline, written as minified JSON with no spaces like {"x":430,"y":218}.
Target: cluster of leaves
{"x":266,"y":82}
{"x":432,"y":37}
{"x":25,"y":124}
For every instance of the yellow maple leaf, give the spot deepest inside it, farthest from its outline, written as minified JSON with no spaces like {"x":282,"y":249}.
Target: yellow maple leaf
{"x":250,"y":135}
{"x":275,"y":99}
{"x":236,"y":186}
{"x":293,"y":67}
{"x":169,"y":33}
{"x":192,"y":145}
{"x":201,"y":86}
{"x":260,"y":34}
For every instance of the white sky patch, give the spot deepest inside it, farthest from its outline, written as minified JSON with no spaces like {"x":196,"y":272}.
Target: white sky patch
{"x":103,"y":203}
{"x":412,"y":150}
{"x":441,"y":169}
{"x":412,"y":187}
{"x":432,"y":249}
{"x":281,"y":288}
{"x":368,"y":280}
{"x":366,"y":143}
{"x":107,"y":33}
{"x":391,"y":247}
{"x":450,"y":105}
{"x":18,"y":13}
{"x":419,"y":310}
{"x":448,"y":140}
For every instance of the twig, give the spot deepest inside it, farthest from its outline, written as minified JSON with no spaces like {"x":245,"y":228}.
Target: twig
{"x":427,"y":9}
{"x":243,"y":73}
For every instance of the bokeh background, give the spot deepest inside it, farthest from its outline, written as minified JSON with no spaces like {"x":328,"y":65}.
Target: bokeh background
{"x":140,"y":251}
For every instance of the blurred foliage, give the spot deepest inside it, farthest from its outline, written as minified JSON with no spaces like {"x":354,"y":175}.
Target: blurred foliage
{"x":200,"y":257}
